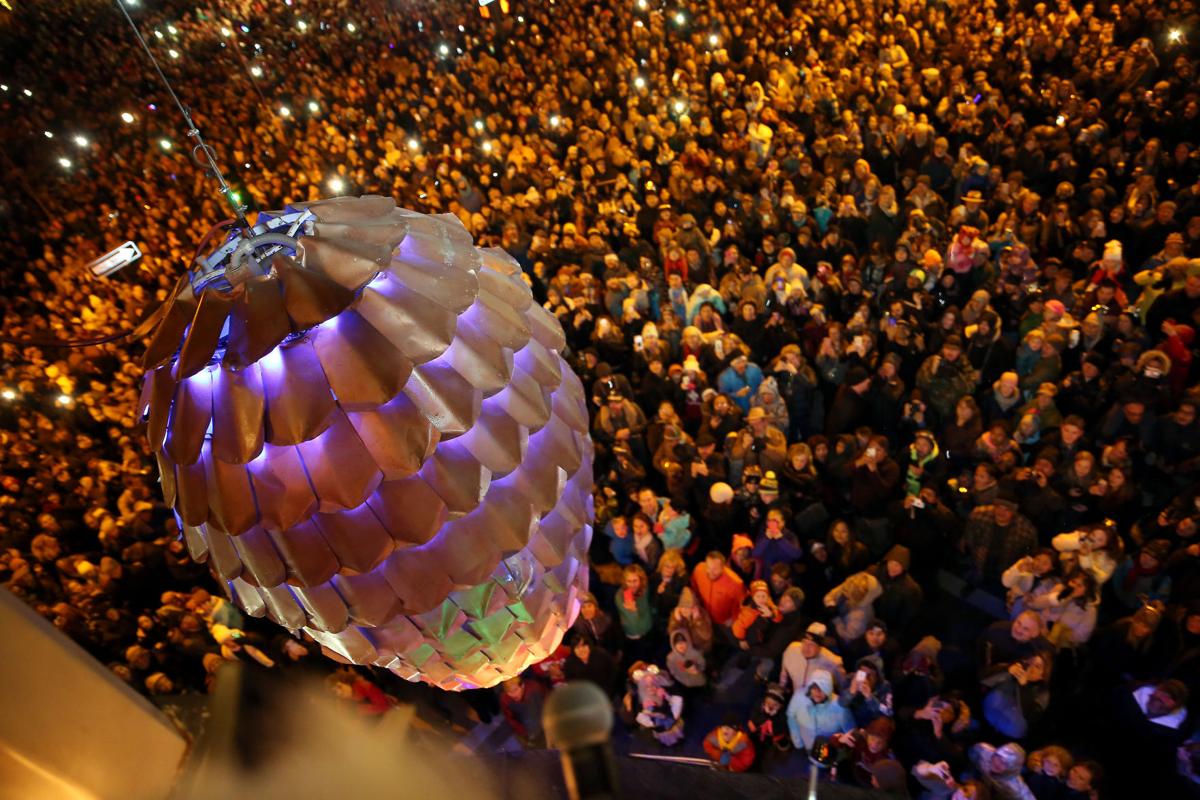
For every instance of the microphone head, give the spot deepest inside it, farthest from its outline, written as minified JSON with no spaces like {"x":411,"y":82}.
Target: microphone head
{"x":577,"y":714}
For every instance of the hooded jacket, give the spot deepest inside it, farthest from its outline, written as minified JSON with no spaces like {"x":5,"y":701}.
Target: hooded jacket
{"x":853,"y":616}
{"x":1008,"y":783}
{"x":808,"y":720}
{"x":699,"y":627}
{"x":687,"y":668}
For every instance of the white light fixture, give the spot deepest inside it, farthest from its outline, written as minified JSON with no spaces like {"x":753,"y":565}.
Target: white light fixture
{"x":226,"y":32}
{"x":680,"y":106}
{"x":642,"y":5}
{"x":165,"y":144}
{"x":1175,"y":35}
{"x":82,"y":141}
{"x":127,"y":118}
{"x":256,"y":71}
{"x":487,"y":147}
{"x":639,"y":82}
{"x":27,"y":93}
{"x":350,"y":26}
{"x":444,"y":49}
{"x":478,"y":124}
{"x":8,"y":394}
{"x":313,"y":106}
{"x":65,"y":163}
{"x":680,"y":18}
{"x":64,"y":399}
{"x":413,"y":144}
{"x":284,"y":111}
{"x":173,"y":53}
{"x":4,"y":87}
{"x":158,"y":35}
{"x":554,"y":120}
{"x":336,"y":184}
{"x":171,"y":29}
{"x":48,"y":134}
{"x":713,"y":40}
{"x":302,"y":25}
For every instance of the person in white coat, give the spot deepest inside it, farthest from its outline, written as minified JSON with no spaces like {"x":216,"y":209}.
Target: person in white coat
{"x":1069,"y":612}
{"x":1098,"y":549}
{"x":1029,"y":577}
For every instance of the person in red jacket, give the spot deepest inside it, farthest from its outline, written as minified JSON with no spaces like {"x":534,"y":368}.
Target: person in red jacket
{"x":720,"y":591}
{"x":729,"y":747}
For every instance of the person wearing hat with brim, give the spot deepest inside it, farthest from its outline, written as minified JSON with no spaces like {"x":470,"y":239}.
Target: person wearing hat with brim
{"x":759,"y":444}
{"x":621,"y":422}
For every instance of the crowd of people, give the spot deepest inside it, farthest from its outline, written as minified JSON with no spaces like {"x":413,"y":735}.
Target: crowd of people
{"x":887,"y":310}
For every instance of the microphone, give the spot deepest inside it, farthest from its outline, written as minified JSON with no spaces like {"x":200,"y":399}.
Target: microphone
{"x":578,"y":720}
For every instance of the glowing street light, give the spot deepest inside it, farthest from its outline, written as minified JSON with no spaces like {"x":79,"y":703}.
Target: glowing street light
{"x":639,"y":82}
{"x":313,"y":106}
{"x":350,"y":26}
{"x":285,"y":112}
{"x":680,"y":18}
{"x":4,"y":87}
{"x":643,"y":5}
{"x":554,"y":120}
{"x":165,"y":144}
{"x":302,"y":25}
{"x":478,"y":124}
{"x":226,"y":32}
{"x":1175,"y":35}
{"x":713,"y":40}
{"x":81,"y":141}
{"x":127,"y":118}
{"x":64,"y":399}
{"x":680,"y":106}
{"x":173,"y":53}
{"x":27,"y":93}
{"x":336,"y":184}
{"x":171,"y":29}
{"x":487,"y":147}
{"x":413,"y":144}
{"x":158,"y":35}
{"x":65,"y":163}
{"x":48,"y":134}
{"x":8,"y":394}
{"x":256,"y":71}
{"x":444,"y":50}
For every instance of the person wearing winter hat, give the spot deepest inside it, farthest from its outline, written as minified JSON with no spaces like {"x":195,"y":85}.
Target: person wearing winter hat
{"x":902,"y":596}
{"x":768,"y":724}
{"x":889,"y":776}
{"x":1143,"y":577}
{"x":729,"y":747}
{"x":1001,"y":770}
{"x":849,"y":407}
{"x":808,"y":654}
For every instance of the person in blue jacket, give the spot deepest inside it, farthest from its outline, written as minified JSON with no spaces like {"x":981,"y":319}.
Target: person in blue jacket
{"x":740,"y":380}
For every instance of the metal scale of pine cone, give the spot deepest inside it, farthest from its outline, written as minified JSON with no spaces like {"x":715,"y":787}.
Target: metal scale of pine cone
{"x":378,"y":442}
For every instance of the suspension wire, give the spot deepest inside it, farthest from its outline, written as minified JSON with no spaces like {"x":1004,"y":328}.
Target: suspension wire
{"x":193,"y":132}
{"x":142,"y":328}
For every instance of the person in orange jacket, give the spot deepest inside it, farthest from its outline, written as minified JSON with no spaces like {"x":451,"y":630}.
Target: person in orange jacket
{"x":729,"y":747}
{"x":720,"y":591}
{"x":756,"y":618}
